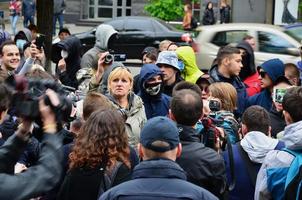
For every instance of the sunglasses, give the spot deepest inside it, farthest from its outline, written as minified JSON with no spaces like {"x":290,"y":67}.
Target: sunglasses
{"x":262,"y":74}
{"x":204,"y":88}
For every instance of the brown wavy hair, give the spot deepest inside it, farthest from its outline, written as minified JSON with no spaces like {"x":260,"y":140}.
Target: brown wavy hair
{"x":102,"y":141}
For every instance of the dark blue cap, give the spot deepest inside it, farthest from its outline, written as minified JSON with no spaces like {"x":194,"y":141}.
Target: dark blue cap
{"x":160,"y":129}
{"x":274,"y":68}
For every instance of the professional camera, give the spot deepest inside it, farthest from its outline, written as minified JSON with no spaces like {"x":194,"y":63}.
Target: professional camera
{"x":27,"y":93}
{"x":214,"y":105}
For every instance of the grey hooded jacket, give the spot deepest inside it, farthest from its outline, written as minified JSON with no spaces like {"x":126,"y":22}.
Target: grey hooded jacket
{"x":102,"y":36}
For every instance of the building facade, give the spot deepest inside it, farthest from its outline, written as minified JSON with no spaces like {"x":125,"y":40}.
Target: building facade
{"x":91,"y":11}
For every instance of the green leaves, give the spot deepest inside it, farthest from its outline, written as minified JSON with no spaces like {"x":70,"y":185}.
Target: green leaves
{"x":165,"y":9}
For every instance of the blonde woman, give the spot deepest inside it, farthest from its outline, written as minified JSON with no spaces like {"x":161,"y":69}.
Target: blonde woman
{"x":120,"y":83}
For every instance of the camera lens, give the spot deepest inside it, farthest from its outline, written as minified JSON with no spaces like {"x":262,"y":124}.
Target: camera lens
{"x":108,"y":58}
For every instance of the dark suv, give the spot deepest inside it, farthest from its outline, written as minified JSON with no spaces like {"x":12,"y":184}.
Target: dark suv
{"x":135,"y":33}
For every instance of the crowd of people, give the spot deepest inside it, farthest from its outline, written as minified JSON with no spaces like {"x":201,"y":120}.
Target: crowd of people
{"x":92,"y":130}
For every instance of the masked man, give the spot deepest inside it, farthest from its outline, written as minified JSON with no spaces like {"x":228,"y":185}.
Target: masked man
{"x":151,"y":84}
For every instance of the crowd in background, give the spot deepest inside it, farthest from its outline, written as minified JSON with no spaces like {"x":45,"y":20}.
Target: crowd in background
{"x":92,"y":130}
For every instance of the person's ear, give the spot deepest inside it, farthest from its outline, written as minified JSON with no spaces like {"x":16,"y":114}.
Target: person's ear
{"x":269,"y":134}
{"x":226,"y":61}
{"x":140,"y":150}
{"x":2,"y":115}
{"x":179,"y":150}
{"x":244,"y":129}
{"x":171,"y":116}
{"x":287,"y":117}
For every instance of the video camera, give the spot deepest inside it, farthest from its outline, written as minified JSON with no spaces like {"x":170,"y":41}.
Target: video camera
{"x":111,"y":57}
{"x":27,"y":93}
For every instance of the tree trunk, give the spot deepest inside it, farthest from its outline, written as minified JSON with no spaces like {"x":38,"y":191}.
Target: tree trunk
{"x":44,"y":23}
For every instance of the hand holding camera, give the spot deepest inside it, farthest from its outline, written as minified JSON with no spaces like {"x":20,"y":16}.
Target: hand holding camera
{"x":102,"y":65}
{"x":48,"y":116}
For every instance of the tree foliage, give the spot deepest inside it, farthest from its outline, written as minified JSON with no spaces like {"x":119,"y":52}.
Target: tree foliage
{"x":165,"y":9}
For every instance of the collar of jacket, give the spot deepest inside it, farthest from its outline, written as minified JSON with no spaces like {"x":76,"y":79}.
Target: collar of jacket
{"x":187,"y":133}
{"x":158,"y":168}
{"x":215,"y":76}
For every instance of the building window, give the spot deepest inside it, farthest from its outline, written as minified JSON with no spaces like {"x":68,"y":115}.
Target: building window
{"x":107,"y":9}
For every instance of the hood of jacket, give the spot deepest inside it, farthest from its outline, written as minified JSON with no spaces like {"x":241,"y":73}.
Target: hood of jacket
{"x":147,"y":71}
{"x":72,"y":45}
{"x":248,"y":61}
{"x":158,"y":168}
{"x":257,"y":145}
{"x":135,"y":103}
{"x":191,"y":72}
{"x":103,"y":34}
{"x":292,"y":136}
{"x":187,"y":134}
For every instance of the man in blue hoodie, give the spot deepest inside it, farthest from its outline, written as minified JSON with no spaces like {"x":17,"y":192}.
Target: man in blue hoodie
{"x":151,"y":85}
{"x":269,"y":71}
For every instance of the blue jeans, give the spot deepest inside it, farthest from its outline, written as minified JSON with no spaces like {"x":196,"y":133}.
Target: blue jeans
{"x":27,"y":19}
{"x":60,"y":18}
{"x":13,"y":21}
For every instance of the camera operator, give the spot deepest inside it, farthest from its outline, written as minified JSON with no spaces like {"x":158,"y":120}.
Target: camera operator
{"x":48,"y":170}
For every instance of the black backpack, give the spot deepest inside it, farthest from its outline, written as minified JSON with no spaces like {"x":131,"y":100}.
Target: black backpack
{"x":108,"y":179}
{"x":194,"y":23}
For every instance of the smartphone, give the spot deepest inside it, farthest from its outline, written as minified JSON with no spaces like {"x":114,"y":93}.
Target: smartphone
{"x":278,"y":94}
{"x":40,"y":41}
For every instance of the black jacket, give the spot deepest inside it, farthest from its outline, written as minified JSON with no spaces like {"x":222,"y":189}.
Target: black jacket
{"x":84,"y":183}
{"x":159,"y":179}
{"x":73,"y":46}
{"x":203,"y":165}
{"x":35,"y":180}
{"x":242,"y":97}
{"x":277,"y":122}
{"x":208,"y":17}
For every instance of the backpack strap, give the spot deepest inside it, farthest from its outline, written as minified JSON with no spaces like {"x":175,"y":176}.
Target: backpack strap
{"x":293,"y":184}
{"x":252,"y":167}
{"x":108,"y":179}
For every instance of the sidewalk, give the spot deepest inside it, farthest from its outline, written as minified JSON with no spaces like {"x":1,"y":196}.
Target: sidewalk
{"x":72,"y":27}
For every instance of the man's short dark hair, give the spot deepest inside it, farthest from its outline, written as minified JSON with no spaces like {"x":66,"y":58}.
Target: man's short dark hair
{"x":5,"y":97}
{"x":226,"y":51}
{"x":256,"y":118}
{"x":247,"y":37}
{"x":186,"y":85}
{"x":292,"y":103}
{"x":6,"y":43}
{"x":186,"y":107}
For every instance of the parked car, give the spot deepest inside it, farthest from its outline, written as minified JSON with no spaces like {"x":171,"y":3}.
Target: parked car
{"x":135,"y":33}
{"x":294,"y":30}
{"x":271,"y":42}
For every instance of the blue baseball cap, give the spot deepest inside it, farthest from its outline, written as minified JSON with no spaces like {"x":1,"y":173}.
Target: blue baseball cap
{"x":160,"y":129}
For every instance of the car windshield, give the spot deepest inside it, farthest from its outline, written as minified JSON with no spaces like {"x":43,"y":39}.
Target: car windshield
{"x":168,"y":26}
{"x":295,"y":32}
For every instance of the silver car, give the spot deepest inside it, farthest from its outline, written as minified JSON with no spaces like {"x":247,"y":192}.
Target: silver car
{"x":271,"y":42}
